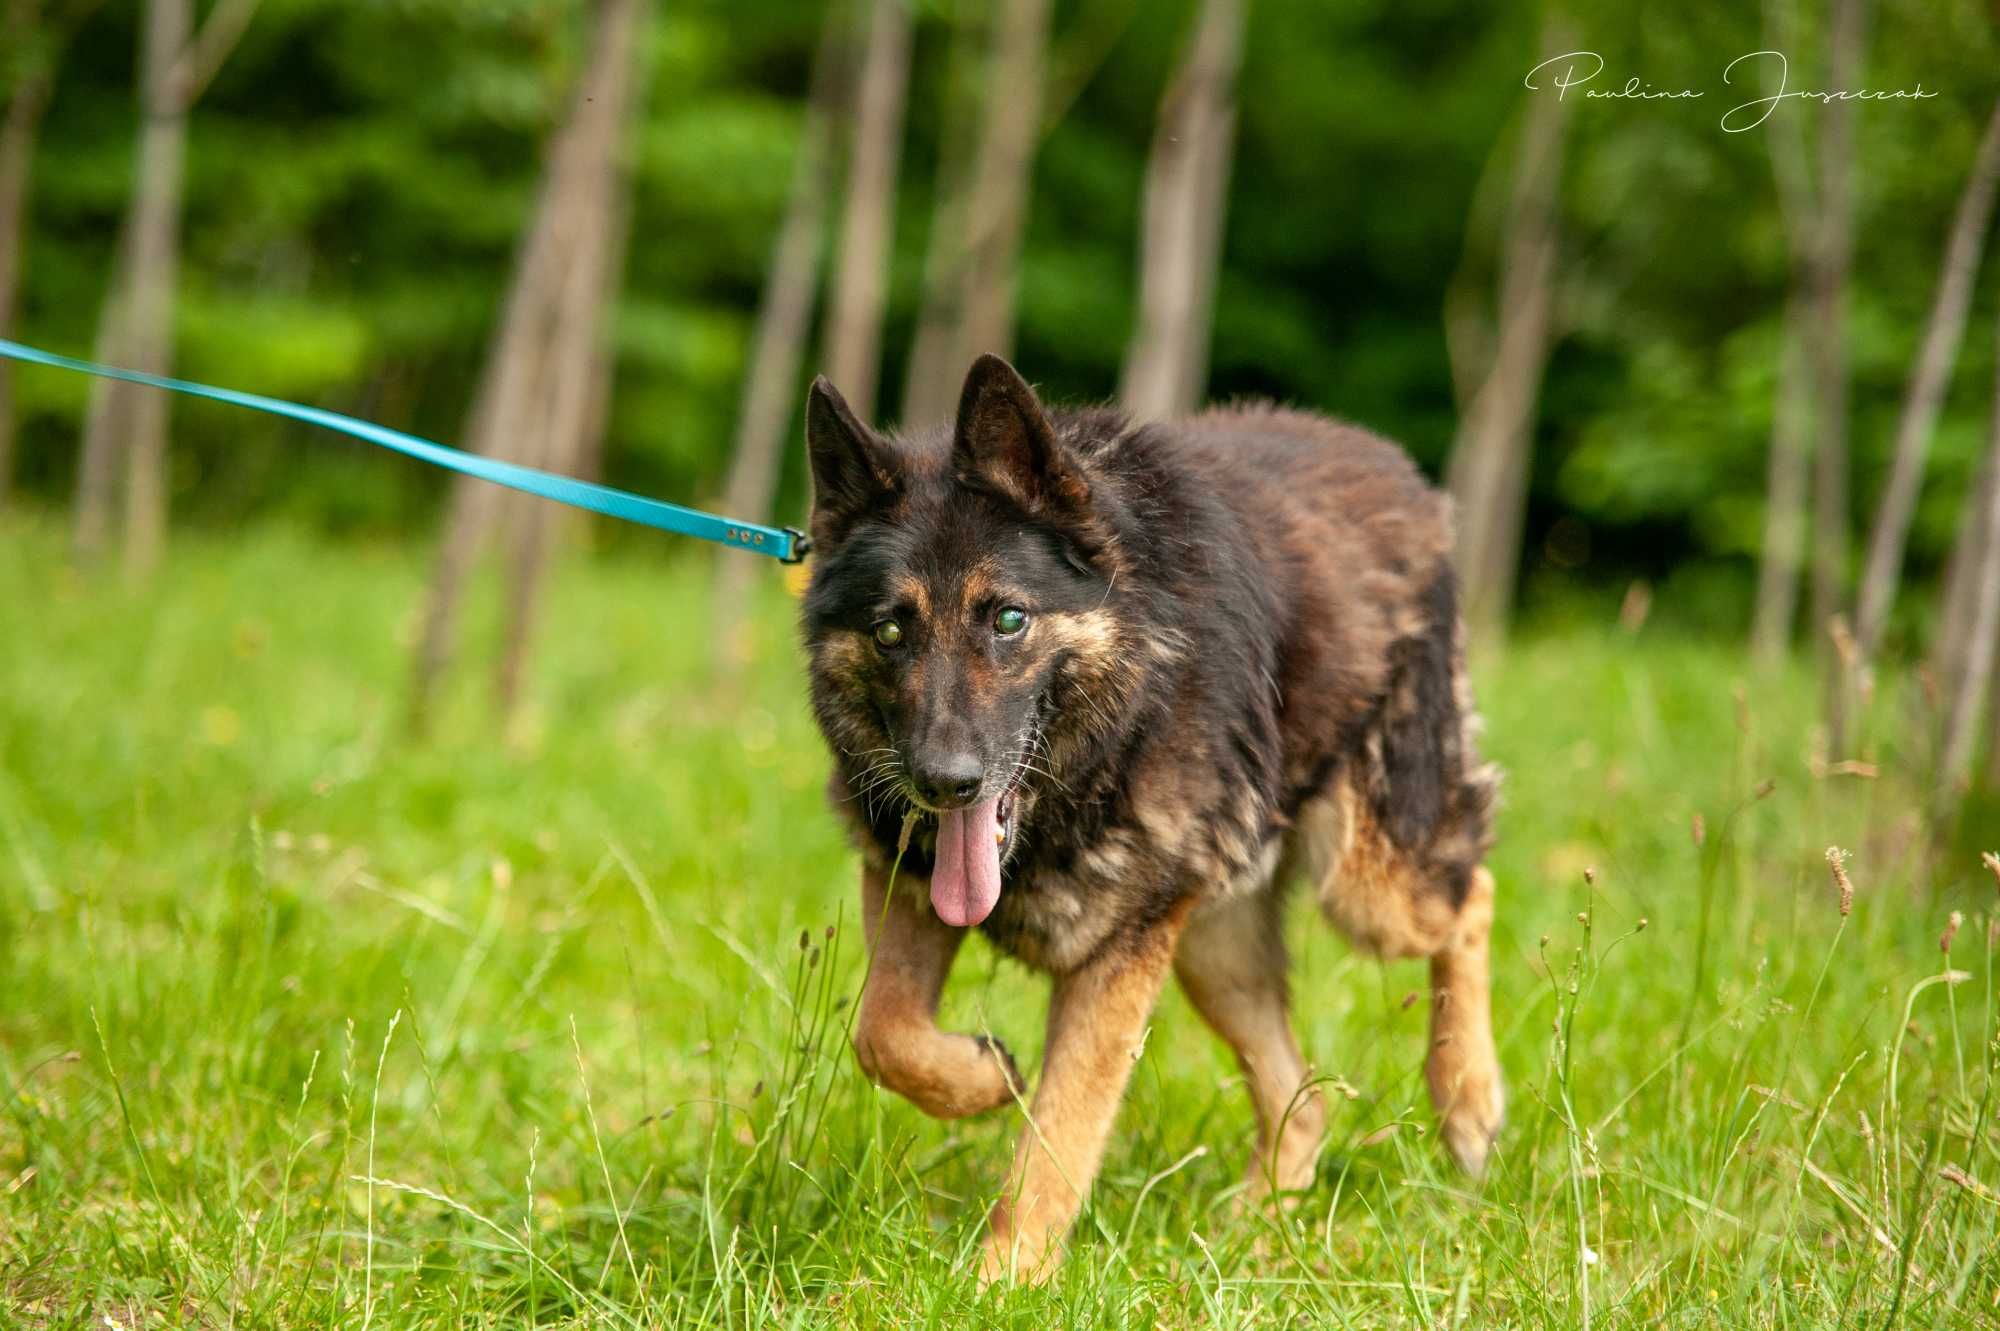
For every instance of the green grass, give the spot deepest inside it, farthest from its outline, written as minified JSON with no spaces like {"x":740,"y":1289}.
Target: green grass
{"x":568,"y":995}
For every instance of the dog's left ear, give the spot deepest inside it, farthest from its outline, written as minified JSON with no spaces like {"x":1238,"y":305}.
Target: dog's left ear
{"x":1004,"y":440}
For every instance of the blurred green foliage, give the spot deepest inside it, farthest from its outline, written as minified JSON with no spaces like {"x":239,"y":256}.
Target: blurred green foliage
{"x":360,"y":169}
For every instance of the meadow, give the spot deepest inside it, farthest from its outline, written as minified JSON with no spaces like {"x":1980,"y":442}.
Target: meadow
{"x":305,"y":1024}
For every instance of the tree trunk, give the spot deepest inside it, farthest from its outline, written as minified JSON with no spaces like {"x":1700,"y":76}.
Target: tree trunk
{"x":26,"y":102}
{"x":1974,"y":680}
{"x":969,"y":308}
{"x":1187,"y":186}
{"x":149,"y":342}
{"x":1789,"y":470}
{"x":567,"y":404}
{"x":101,"y":451}
{"x":128,"y":422}
{"x":771,"y":382}
{"x":861,"y":273}
{"x":1489,"y":461}
{"x":1002,"y":179}
{"x":1928,"y":382}
{"x":1961,"y":581}
{"x":1827,"y":324}
{"x":1784,"y":499}
{"x":540,"y":387}
{"x":1992,"y":777}
{"x":575,"y":396}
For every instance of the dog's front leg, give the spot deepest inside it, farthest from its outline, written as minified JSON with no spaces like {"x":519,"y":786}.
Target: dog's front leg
{"x":896,"y":1036}
{"x":1097,"y":1027}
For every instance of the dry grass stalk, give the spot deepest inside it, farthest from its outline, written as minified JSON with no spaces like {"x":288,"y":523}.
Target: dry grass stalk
{"x":1836,"y":862}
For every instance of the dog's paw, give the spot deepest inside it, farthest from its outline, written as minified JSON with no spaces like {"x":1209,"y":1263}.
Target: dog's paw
{"x":1010,"y":1258}
{"x":1289,"y":1167}
{"x":1472,"y":1118}
{"x":945,"y":1075}
{"x":1007,"y":1083}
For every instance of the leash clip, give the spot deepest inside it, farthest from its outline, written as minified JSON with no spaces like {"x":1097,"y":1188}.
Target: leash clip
{"x":801,"y":546}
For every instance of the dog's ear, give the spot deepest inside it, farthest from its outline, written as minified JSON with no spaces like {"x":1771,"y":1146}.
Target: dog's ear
{"x":853,"y":468}
{"x":1004,"y":440}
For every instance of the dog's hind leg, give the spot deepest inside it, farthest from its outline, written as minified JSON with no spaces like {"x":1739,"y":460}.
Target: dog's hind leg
{"x":1462,"y":1068}
{"x":896,"y":1037}
{"x":1097,"y":1028}
{"x":1231,"y":963}
{"x":1389,"y":904}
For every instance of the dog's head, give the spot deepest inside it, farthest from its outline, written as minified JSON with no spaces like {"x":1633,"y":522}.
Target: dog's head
{"x":957,"y":585}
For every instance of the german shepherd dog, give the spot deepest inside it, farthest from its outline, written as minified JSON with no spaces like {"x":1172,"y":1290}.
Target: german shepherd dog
{"x":1107,"y":688}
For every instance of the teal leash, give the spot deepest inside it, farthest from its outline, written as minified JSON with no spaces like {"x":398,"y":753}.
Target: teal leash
{"x":787,"y":545}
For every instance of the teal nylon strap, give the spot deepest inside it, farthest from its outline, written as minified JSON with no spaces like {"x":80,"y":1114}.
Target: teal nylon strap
{"x":784,"y":544}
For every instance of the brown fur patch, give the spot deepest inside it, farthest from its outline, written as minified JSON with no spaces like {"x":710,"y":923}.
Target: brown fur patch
{"x":896,"y":1036}
{"x":1231,"y":964}
{"x":1370,"y":888}
{"x":1097,"y":1025}
{"x":1462,"y":1069}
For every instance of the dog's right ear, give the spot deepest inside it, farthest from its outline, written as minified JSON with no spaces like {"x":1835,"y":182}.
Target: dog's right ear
{"x":853,"y":468}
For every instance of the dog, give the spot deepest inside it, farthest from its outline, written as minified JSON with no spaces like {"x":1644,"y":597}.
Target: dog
{"x":1102,"y":690}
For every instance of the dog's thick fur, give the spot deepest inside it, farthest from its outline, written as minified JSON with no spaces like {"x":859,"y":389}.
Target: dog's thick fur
{"x":1242,"y":666}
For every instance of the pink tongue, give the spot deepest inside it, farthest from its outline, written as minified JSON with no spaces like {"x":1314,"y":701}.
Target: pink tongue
{"x":965,"y":883}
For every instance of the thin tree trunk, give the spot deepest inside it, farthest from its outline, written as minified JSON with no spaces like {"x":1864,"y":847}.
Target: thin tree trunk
{"x":1782,"y":557}
{"x":1187,"y":185}
{"x":102,"y":451}
{"x":1001,"y":182}
{"x":1784,"y":499}
{"x":1928,"y":382}
{"x":544,"y":351}
{"x":1982,"y":631}
{"x":18,"y":126}
{"x":566,"y":408}
{"x":127,"y":422}
{"x":771,"y":383}
{"x":575,"y":387}
{"x":156,"y":223}
{"x":976,"y":239}
{"x":944,"y":245}
{"x":868,"y":214}
{"x":135,"y":327}
{"x":1992,"y":777}
{"x":1961,"y":581}
{"x":1827,"y":322}
{"x":1489,"y":462}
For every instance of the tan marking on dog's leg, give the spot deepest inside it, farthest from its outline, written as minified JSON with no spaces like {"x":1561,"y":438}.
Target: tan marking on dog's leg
{"x":896,"y":1037}
{"x":1231,"y":963}
{"x":1462,"y":1067}
{"x":1097,"y":1026}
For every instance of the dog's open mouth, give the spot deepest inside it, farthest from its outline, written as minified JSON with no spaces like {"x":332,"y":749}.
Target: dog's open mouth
{"x":965,"y":879}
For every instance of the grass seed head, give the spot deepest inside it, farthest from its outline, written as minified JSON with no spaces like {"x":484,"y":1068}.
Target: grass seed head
{"x":1698,"y":829}
{"x":1950,"y":931}
{"x":1992,"y":863}
{"x":1836,"y":862}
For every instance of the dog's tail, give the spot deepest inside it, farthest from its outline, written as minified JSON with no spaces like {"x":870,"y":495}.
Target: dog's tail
{"x":1414,"y":807}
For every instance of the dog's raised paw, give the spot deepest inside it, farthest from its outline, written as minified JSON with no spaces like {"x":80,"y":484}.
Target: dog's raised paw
{"x":1002,"y":1058}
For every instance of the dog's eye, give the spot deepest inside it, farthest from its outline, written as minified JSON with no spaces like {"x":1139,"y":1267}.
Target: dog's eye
{"x":888,"y":633}
{"x":1010,"y":621}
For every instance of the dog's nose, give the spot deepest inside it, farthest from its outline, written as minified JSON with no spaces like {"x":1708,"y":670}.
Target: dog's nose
{"x":949,"y":780}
